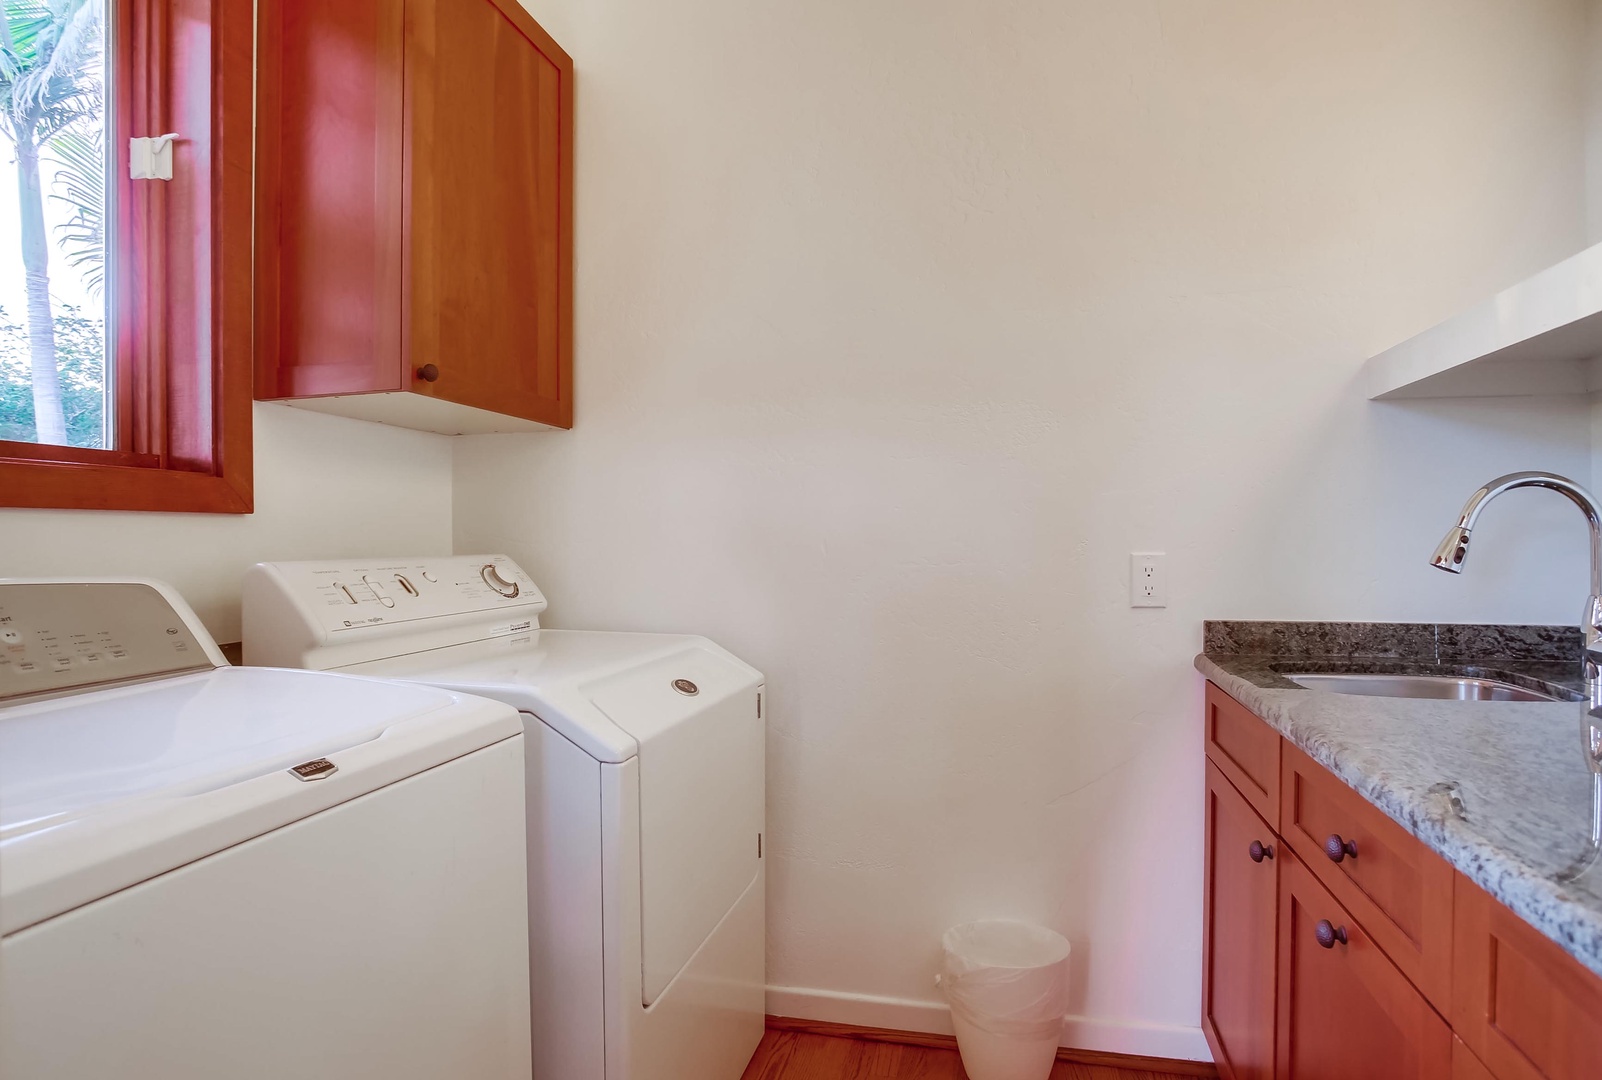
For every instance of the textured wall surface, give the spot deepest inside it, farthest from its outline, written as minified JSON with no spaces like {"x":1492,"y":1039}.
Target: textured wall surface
{"x":901,"y":324}
{"x":326,"y":487}
{"x":1593,"y":122}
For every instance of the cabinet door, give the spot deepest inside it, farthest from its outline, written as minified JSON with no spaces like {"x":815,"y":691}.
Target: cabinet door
{"x":1525,"y":1007}
{"x":488,"y":247}
{"x":328,"y":198}
{"x":1345,"y":1010}
{"x":1238,"y":936}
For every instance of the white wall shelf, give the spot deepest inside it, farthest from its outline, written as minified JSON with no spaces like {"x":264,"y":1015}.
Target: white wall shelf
{"x":1537,"y":337}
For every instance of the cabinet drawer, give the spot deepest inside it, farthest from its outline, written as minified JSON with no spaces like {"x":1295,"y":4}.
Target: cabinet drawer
{"x":1396,"y":887}
{"x":1526,"y":1008}
{"x":1246,"y":750}
{"x":1345,"y":1010}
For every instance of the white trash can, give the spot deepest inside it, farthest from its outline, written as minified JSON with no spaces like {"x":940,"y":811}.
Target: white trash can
{"x":1008,"y":987}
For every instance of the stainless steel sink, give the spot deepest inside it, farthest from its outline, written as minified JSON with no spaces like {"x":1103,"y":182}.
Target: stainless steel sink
{"x":1441,"y":687}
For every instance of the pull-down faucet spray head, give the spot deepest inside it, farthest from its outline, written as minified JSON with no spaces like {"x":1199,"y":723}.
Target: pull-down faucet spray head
{"x":1453,"y":550}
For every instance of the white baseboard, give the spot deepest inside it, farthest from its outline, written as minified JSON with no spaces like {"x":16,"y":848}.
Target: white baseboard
{"x":905,"y":1014}
{"x":1133,"y":1037}
{"x":834,"y":1007}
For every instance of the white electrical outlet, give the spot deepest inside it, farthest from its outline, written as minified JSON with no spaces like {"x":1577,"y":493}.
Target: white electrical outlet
{"x":1148,"y":581}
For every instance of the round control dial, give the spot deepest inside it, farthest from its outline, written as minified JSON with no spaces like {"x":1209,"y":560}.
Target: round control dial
{"x":492,"y":578}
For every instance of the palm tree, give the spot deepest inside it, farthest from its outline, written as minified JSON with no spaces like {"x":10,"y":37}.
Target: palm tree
{"x":80,"y":159}
{"x":46,"y":85}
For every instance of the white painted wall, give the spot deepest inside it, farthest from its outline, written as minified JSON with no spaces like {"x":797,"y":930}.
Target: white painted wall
{"x":1593,"y":194}
{"x":901,"y":323}
{"x":1593,"y":122}
{"x":326,"y":487}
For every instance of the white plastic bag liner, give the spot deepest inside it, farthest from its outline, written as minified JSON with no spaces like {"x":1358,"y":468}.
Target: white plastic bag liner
{"x":1008,"y":987}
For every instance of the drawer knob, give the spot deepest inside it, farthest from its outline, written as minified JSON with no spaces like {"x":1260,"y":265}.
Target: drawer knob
{"x":428,"y":373}
{"x":1260,"y":851}
{"x":1338,"y":849}
{"x":1328,"y":934}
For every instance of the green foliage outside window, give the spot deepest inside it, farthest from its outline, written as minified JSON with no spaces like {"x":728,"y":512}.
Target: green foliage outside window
{"x":51,"y":106}
{"x":79,"y":342}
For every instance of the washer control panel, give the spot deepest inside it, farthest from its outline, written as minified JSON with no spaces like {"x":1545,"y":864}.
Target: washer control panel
{"x":59,"y":636}
{"x":360,"y":594}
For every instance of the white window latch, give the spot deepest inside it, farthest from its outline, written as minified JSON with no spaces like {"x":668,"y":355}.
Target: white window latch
{"x":151,"y":158}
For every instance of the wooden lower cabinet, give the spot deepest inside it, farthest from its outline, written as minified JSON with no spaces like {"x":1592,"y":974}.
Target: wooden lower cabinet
{"x":1245,"y":750}
{"x":1383,"y":965}
{"x":1526,"y":1008}
{"x":1465,"y":1066}
{"x":1238,"y":947}
{"x":1399,"y":890}
{"x":1344,"y":1009}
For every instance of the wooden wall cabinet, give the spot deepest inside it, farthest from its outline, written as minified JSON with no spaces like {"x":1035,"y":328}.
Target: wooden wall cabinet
{"x":414,"y":214}
{"x":1358,"y":952}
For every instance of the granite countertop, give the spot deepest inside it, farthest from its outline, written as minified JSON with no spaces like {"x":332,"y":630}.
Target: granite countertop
{"x":1501,"y":790}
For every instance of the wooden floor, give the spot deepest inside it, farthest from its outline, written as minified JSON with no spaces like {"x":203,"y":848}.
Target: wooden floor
{"x":797,"y":1055}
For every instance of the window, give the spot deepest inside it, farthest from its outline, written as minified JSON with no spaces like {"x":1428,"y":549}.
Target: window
{"x":125,"y":305}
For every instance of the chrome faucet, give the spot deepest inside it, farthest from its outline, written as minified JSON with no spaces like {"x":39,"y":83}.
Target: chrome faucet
{"x":1449,"y":556}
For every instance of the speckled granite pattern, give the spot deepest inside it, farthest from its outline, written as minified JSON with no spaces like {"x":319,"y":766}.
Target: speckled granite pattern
{"x":1403,"y":641}
{"x":1500,"y":790}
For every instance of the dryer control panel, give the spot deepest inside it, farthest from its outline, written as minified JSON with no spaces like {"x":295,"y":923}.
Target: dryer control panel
{"x":292,"y":609}
{"x":350,"y":595}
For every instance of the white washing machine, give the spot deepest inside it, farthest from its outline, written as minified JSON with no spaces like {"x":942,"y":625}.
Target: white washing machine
{"x":645,"y":797}
{"x":208,"y":871}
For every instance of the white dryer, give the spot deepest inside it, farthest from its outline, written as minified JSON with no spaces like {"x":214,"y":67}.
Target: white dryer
{"x":645,"y":797}
{"x":209,"y":871}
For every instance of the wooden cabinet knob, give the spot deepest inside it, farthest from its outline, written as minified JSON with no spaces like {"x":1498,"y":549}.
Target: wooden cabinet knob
{"x":428,"y":373}
{"x":1338,"y":849}
{"x":1259,"y":851}
{"x":1328,"y":934}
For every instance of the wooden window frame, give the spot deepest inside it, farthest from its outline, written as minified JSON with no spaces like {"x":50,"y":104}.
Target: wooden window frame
{"x":182,"y":354}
